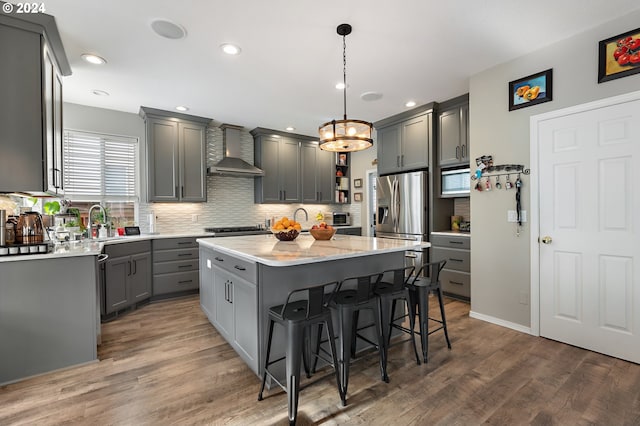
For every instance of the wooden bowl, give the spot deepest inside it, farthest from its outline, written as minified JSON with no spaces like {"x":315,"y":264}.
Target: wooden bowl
{"x":285,"y":235}
{"x":322,"y":234}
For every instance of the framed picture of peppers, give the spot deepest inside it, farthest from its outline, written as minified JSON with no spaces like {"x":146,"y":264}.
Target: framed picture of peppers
{"x":531,"y":90}
{"x":619,"y":56}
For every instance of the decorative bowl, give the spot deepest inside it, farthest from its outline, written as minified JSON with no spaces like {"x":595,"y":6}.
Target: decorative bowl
{"x":322,"y":234}
{"x":284,"y":235}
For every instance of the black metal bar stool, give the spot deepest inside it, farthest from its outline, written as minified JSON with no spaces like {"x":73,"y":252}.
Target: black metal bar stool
{"x":355,"y":294}
{"x":390,"y":292}
{"x":420,"y":287}
{"x":303,"y":309}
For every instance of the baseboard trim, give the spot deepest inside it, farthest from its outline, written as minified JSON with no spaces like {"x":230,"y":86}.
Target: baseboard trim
{"x":497,"y":321}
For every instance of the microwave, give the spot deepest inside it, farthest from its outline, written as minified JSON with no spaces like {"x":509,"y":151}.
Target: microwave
{"x":340,"y":218}
{"x":455,"y":182}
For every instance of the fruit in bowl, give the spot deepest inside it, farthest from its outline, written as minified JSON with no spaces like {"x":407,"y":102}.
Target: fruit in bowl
{"x":322,"y":231}
{"x":286,"y":229}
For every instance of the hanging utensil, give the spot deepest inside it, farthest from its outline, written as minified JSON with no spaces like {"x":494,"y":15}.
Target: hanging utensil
{"x":508,"y":184}
{"x":498,"y":184}
{"x":487,"y":184}
{"x":518,"y":203}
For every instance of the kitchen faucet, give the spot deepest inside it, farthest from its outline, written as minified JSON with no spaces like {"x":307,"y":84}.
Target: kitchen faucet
{"x":104,"y":216}
{"x":306,"y":214}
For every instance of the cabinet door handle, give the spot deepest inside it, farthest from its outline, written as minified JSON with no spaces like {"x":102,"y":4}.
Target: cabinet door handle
{"x":464,"y":151}
{"x":397,"y":161}
{"x":284,"y":195}
{"x":176,"y":191}
{"x":135,"y":267}
{"x":455,"y":242}
{"x":455,"y":260}
{"x":231,"y":292}
{"x":457,"y":152}
{"x":129,"y":265}
{"x":402,"y":160}
{"x":182,"y":191}
{"x":226,"y":291}
{"x":240,"y":268}
{"x":219,"y":259}
{"x":185,"y":282}
{"x":184,"y":254}
{"x":185,"y":266}
{"x":56,"y":183}
{"x":456,"y":282}
{"x":180,"y":243}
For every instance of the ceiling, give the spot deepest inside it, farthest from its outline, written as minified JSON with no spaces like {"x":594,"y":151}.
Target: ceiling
{"x":291,"y":59}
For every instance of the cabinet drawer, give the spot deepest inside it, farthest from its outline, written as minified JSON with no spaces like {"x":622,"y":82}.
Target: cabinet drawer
{"x":239,"y":267}
{"x":174,"y":243}
{"x":172,"y":255}
{"x":458,"y":283}
{"x":177,"y":266}
{"x":127,"y":249}
{"x":172,"y":283}
{"x":451,"y":241}
{"x":458,"y":260}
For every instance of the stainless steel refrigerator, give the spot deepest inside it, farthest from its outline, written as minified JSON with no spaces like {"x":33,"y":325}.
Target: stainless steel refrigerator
{"x":402,"y":210}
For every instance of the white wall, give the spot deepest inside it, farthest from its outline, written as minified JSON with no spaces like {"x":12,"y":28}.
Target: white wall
{"x":500,"y":261}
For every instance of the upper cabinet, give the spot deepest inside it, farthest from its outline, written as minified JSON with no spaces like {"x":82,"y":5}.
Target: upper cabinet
{"x":453,"y":132}
{"x":404,"y":141}
{"x":295,"y":169}
{"x":31,"y":109}
{"x":176,"y":156}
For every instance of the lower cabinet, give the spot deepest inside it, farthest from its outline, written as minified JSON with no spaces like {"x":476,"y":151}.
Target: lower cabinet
{"x":127,"y":275}
{"x":175,"y":266}
{"x":228,"y":296}
{"x":349,"y":231}
{"x":455,"y":278}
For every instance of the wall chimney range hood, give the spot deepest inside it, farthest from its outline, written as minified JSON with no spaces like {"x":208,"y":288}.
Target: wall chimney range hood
{"x":232,"y":164}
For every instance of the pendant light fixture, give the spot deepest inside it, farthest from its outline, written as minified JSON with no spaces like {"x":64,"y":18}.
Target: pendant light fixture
{"x":345,"y":135}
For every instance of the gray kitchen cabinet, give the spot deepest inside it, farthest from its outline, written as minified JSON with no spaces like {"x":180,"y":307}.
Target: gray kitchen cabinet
{"x":127,"y":275}
{"x":404,"y":141}
{"x":279,"y":154}
{"x":453,"y":133}
{"x":31,"y":107}
{"x":175,"y":267}
{"x":455,"y":278}
{"x":176,"y":156}
{"x":207,"y":299}
{"x":349,"y":231}
{"x":233,"y":308}
{"x":318,"y":173}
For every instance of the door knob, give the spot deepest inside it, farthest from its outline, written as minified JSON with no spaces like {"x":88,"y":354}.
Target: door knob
{"x":546,"y":239}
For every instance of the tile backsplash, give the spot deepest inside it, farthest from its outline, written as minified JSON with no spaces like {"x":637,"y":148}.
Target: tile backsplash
{"x":230,"y":200}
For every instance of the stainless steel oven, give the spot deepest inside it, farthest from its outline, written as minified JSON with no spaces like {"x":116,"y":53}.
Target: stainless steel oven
{"x":340,"y":218}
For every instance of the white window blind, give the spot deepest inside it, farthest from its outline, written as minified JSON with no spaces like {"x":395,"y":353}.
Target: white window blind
{"x":99,"y":167}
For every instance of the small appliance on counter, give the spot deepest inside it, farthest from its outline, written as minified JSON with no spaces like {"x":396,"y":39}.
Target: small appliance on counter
{"x":26,"y":236}
{"x":339,"y":219}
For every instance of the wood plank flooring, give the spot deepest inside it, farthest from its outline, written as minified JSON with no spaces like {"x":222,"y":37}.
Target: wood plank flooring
{"x":165,"y":364}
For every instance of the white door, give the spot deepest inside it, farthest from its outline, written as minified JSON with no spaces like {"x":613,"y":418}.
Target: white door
{"x":589,"y":198}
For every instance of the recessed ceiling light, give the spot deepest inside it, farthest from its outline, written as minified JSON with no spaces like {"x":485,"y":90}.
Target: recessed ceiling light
{"x":168,"y":29}
{"x":98,"y":92}
{"x":410,"y":104}
{"x":371,"y":96}
{"x":340,"y":86}
{"x":290,"y":129}
{"x":182,"y":108}
{"x":93,"y":59}
{"x":230,"y":49}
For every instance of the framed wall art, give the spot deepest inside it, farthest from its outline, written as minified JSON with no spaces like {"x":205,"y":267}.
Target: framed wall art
{"x":357,"y":183}
{"x":619,"y":56}
{"x":357,"y":197}
{"x":531,"y":90}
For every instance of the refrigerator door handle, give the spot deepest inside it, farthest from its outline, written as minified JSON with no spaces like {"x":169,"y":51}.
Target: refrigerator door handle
{"x":397,"y":206}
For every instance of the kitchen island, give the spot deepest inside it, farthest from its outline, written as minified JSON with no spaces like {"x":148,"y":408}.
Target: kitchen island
{"x":241,"y":277}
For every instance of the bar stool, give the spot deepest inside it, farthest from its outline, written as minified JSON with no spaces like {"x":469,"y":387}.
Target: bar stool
{"x":389,"y":292}
{"x":420,"y":287}
{"x":303,"y":309}
{"x":354,"y":295}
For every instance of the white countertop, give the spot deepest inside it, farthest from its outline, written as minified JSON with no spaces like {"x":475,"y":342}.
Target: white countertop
{"x":92,"y":247}
{"x":452,"y":233}
{"x":266,"y":249}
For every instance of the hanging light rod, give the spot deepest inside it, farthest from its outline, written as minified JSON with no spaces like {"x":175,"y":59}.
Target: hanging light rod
{"x":345,"y":135}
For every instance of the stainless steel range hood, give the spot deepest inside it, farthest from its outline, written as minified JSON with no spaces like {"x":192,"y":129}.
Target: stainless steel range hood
{"x":232,"y":164}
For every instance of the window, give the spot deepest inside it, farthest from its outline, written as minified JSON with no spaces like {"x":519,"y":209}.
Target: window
{"x":102,"y":169}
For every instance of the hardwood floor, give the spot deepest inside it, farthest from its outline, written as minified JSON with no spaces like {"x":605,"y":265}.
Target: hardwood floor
{"x":165,"y":364}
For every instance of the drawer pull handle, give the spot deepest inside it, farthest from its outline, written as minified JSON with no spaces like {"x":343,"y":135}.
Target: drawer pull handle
{"x":456,"y":282}
{"x":240,"y":268}
{"x":184,"y":242}
{"x":219,"y":259}
{"x":185,"y":266}
{"x":455,"y":260}
{"x":185,"y":282}
{"x":185,"y":254}
{"x":455,"y":242}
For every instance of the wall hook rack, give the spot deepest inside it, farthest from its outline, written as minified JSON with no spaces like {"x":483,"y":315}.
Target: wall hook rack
{"x":503,"y":170}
